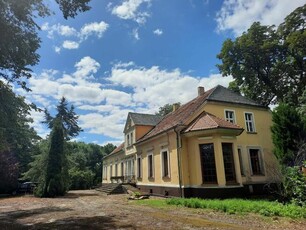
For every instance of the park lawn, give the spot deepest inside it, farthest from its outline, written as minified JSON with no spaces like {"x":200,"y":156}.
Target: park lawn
{"x":233,"y":206}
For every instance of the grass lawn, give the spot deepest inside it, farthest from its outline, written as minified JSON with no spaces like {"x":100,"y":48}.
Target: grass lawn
{"x":233,"y":206}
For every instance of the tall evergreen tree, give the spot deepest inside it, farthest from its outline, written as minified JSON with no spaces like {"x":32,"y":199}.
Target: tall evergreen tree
{"x":68,"y":118}
{"x":54,"y":182}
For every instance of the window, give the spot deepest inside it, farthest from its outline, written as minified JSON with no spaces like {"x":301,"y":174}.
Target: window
{"x":116,"y":169}
{"x":241,"y":162}
{"x":129,"y":139}
{"x":228,"y":160}
{"x":256,"y":161}
{"x":122,"y":169}
{"x":111,"y":171}
{"x":249,"y":122}
{"x":208,"y":165}
{"x":139,"y":167}
{"x":165,"y":163}
{"x":150,"y":166}
{"x":230,"y":116}
{"x":105,"y":172}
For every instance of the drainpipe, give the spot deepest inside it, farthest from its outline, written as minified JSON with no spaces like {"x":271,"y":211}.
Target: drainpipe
{"x":179,"y":164}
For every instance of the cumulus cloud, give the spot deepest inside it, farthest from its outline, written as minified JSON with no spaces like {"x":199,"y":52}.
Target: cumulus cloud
{"x":154,"y":87}
{"x":94,"y":28}
{"x":90,"y":29}
{"x":103,"y":108}
{"x":70,"y":45}
{"x":86,"y":66}
{"x":129,"y":10}
{"x":238,"y":15}
{"x":59,"y":29}
{"x":158,"y":32}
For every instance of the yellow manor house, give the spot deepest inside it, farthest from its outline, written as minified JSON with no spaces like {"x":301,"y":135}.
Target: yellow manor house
{"x":216,"y":145}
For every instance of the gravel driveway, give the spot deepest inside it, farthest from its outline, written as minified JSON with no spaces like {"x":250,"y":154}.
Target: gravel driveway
{"x":91,"y":209}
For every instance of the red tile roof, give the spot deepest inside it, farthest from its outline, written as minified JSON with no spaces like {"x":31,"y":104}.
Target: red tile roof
{"x":210,"y":121}
{"x":178,"y":117}
{"x":116,"y":150}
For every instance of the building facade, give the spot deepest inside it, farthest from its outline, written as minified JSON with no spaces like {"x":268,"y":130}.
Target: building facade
{"x":217,"y":145}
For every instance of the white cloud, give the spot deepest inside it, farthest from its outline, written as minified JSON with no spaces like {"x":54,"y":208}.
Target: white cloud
{"x":86,"y":66}
{"x":153,"y":87}
{"x":59,"y":29}
{"x":135,"y":34}
{"x":103,"y":108}
{"x":129,"y":10}
{"x":90,"y":29}
{"x":70,"y":45}
{"x":57,"y":49}
{"x":238,"y":15}
{"x":158,"y":32}
{"x":94,"y":28}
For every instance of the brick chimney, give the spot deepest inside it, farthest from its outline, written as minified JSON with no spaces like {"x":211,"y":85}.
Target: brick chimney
{"x":175,"y":106}
{"x":201,"y":90}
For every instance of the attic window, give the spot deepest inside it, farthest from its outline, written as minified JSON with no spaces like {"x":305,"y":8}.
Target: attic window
{"x":230,"y":116}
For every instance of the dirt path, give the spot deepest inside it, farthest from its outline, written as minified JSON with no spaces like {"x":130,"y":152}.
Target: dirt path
{"x":93,"y":210}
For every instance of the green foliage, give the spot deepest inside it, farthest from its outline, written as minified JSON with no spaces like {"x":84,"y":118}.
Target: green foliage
{"x":53,"y":183}
{"x":294,"y":186}
{"x":270,"y":59}
{"x":86,"y":161}
{"x":240,"y":206}
{"x":9,"y":172}
{"x":68,"y":117}
{"x":81,"y":179}
{"x":166,"y":109}
{"x":15,"y":131}
{"x":288,"y":133}
{"x":19,"y":39}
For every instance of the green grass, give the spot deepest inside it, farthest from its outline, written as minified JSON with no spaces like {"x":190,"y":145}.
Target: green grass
{"x":234,"y":206}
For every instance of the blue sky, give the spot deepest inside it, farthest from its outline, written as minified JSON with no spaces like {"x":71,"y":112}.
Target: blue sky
{"x":137,"y":55}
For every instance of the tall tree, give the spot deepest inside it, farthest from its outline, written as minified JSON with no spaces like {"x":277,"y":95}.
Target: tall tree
{"x":288,"y":134}
{"x":270,"y":59}
{"x":19,"y":39}
{"x":16,"y":135}
{"x":54,"y":179}
{"x":68,"y":118}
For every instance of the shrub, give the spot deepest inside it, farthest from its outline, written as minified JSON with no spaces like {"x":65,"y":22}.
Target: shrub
{"x":294,"y":186}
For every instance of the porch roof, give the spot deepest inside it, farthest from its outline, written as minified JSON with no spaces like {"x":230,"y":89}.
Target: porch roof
{"x":209,"y":121}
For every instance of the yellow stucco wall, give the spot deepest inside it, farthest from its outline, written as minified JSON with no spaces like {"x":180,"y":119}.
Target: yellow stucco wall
{"x":189,"y":151}
{"x":166,"y":141}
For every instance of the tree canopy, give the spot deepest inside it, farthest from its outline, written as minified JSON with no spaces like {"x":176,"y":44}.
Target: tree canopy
{"x":267,"y":63}
{"x":167,"y":108}
{"x":19,"y":40}
{"x":68,"y":118}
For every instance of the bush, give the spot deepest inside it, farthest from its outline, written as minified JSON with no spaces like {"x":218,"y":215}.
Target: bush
{"x":294,"y":186}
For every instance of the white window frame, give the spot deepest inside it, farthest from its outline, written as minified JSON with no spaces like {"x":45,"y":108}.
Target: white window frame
{"x":163,"y":164}
{"x":105,"y":172}
{"x":139,"y":167}
{"x":233,"y":119}
{"x":129,"y":139}
{"x":150,"y":154}
{"x":250,"y":121}
{"x":110,"y":171}
{"x":261,"y":160}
